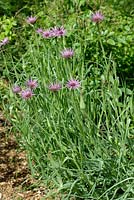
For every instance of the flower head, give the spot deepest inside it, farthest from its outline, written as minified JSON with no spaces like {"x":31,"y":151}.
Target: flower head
{"x":73,"y":84}
{"x":58,"y":31}
{"x":47,"y":34}
{"x":31,"y":20}
{"x":97,"y":17}
{"x":4,"y":41}
{"x":53,"y":32}
{"x":39,"y":30}
{"x":26,"y":94}
{"x":32,"y":84}
{"x":67,"y":53}
{"x":16,"y":89}
{"x":54,"y":87}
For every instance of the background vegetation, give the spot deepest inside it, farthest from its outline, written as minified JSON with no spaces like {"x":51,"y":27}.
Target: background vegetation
{"x":117,"y":37}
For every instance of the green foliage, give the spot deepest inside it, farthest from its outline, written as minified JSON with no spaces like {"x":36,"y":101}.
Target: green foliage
{"x":78,"y":141}
{"x":7,"y":25}
{"x":3,"y":91}
{"x":11,"y":7}
{"x":116,"y":31}
{"x":126,"y":7}
{"x":117,"y":38}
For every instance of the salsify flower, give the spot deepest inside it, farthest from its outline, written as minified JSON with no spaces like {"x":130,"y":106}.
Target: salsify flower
{"x":67,"y":53}
{"x":73,"y":84}
{"x":53,"y":32}
{"x":47,"y":34}
{"x":39,"y":30}
{"x":54,"y":87}
{"x":31,"y":20}
{"x":4,"y":41}
{"x":16,"y":89}
{"x":97,"y":17}
{"x":58,"y":31}
{"x":32,"y":84}
{"x":26,"y":94}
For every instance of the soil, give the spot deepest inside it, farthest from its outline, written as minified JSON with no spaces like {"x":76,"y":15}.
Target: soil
{"x":15,"y":178}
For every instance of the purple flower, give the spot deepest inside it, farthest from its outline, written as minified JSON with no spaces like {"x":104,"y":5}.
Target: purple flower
{"x":39,"y":30}
{"x":53,"y":32}
{"x":4,"y":42}
{"x":67,"y":53}
{"x":16,"y":89}
{"x":47,"y":34}
{"x":32,"y":84}
{"x":26,"y":94}
{"x":55,"y":87}
{"x":31,"y":20}
{"x":58,"y":31}
{"x":97,"y":17}
{"x":73,"y":84}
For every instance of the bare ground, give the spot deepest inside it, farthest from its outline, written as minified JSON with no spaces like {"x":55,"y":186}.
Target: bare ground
{"x":15,"y":178}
